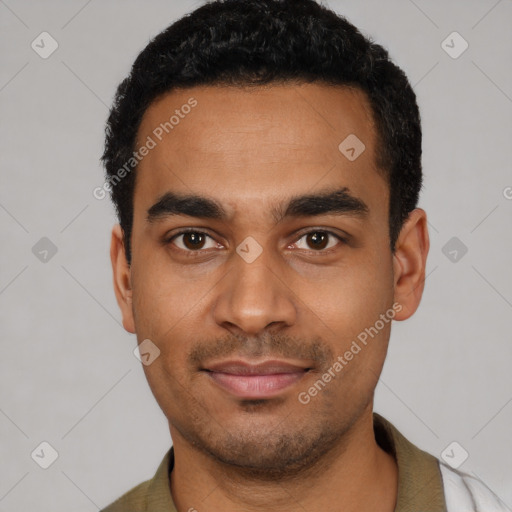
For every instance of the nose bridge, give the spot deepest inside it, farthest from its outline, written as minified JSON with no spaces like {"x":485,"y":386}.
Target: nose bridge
{"x":252,"y":296}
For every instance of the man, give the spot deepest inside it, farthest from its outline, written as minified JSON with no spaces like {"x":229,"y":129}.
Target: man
{"x":265,"y":162}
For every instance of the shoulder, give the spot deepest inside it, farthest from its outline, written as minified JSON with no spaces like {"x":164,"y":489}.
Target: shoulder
{"x":149,"y":495}
{"x":135,"y":500}
{"x":465,"y":493}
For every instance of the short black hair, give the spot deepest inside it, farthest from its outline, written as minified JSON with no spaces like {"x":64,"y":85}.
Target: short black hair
{"x":257,"y":42}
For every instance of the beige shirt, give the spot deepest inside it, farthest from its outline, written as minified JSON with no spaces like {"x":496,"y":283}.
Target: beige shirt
{"x":420,"y":485}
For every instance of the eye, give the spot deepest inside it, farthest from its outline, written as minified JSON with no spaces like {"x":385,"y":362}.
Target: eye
{"x":191,"y":240}
{"x":194,"y":241}
{"x":318,"y":240}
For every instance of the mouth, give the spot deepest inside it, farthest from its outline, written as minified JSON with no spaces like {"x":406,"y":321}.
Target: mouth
{"x":255,"y":380}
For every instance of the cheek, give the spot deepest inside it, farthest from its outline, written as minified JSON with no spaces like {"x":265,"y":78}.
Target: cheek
{"x":351,"y":297}
{"x":163,"y":297}
{"x":170,"y":309}
{"x":356,"y":312}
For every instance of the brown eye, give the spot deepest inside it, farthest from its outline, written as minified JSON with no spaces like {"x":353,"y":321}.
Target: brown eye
{"x":319,"y":240}
{"x":191,"y":240}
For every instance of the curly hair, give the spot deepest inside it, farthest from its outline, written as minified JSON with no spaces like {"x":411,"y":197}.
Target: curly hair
{"x":257,"y":42}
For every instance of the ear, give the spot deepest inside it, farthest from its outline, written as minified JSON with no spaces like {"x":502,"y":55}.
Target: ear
{"x":409,"y":262}
{"x":122,"y":278}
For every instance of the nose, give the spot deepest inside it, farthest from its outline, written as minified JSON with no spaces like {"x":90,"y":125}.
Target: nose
{"x":254,"y":296}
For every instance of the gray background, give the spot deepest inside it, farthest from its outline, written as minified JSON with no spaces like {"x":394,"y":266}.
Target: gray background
{"x":67,"y":372}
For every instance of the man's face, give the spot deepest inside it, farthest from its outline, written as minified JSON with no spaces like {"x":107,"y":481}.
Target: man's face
{"x":261,"y":283}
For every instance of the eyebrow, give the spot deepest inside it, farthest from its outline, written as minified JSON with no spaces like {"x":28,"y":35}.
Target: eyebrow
{"x":335,"y":202}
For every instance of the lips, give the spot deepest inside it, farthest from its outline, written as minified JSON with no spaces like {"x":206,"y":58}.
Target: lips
{"x":255,"y":380}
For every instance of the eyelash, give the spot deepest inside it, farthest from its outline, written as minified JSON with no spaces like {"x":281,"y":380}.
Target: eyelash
{"x":193,"y":254}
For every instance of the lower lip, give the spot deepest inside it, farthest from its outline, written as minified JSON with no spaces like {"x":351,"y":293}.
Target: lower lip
{"x":255,"y":386}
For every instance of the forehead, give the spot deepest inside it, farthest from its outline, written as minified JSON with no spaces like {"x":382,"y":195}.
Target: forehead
{"x":256,"y":143}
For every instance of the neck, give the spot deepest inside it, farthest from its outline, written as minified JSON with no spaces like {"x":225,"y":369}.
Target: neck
{"x":356,"y":475}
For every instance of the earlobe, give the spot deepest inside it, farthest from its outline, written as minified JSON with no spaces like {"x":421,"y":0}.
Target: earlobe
{"x":122,"y":278}
{"x":409,"y":263}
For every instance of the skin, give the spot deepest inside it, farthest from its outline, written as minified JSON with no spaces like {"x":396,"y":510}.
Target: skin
{"x":250,"y":150}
